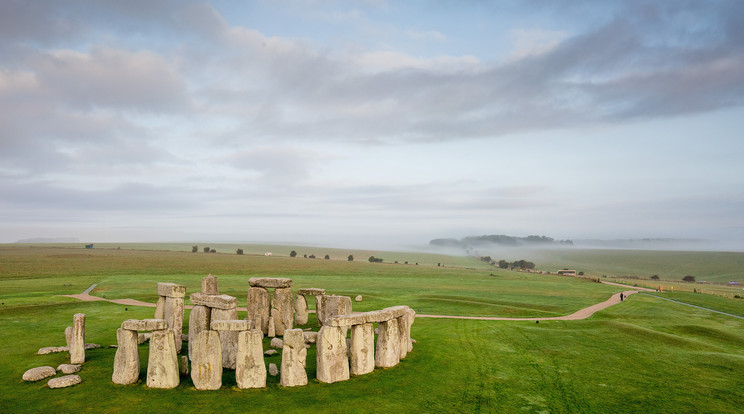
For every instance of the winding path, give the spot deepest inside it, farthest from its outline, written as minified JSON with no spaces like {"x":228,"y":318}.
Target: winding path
{"x":578,"y":315}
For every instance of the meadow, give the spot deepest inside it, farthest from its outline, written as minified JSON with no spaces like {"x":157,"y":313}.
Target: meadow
{"x":644,"y":355}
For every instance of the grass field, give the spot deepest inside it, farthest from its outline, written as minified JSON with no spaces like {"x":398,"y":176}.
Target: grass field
{"x":644,"y":355}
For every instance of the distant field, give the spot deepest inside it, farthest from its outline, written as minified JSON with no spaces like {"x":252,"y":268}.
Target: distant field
{"x":644,"y":355}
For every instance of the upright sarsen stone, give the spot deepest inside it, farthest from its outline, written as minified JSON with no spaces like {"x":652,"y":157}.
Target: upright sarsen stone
{"x":333,"y":305}
{"x":199,"y":320}
{"x":206,"y":361}
{"x":362,"y":349}
{"x":126,"y":360}
{"x":173,"y":315}
{"x":77,"y":341}
{"x":300,"y":308}
{"x":332,"y":362}
{"x":209,"y":285}
{"x":259,"y":308}
{"x":387,"y":352}
{"x":294,"y":355}
{"x":250,"y":368}
{"x":162,"y":363}
{"x":160,"y":308}
{"x":229,"y":339}
{"x":284,"y":315}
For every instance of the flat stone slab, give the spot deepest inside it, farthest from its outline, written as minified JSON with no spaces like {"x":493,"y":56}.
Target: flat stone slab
{"x":311,"y":292}
{"x":270,"y":352}
{"x":231,"y":325}
{"x":270,"y":282}
{"x":144,"y":324}
{"x":226,"y":302}
{"x":39,"y":373}
{"x":69,"y":368}
{"x":52,"y":349}
{"x":66,"y":381}
{"x":356,"y":318}
{"x":398,"y":311}
{"x":171,"y":290}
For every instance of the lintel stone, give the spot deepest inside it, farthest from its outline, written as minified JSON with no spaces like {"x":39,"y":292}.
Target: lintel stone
{"x":214,"y":301}
{"x":270,"y":282}
{"x":231,"y":325}
{"x":144,"y":324}
{"x":311,"y":292}
{"x":171,"y":290}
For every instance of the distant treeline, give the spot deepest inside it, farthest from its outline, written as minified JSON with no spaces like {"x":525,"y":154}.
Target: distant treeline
{"x":473,"y":241}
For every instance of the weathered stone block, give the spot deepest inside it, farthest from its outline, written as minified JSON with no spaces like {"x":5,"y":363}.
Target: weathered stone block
{"x":173,"y":315}
{"x":183,"y":365}
{"x":214,"y":301}
{"x":300,"y":309}
{"x":39,"y":373}
{"x":209,"y":285}
{"x":144,"y":324}
{"x":231,"y":325}
{"x":270,"y":282}
{"x":206,"y":361}
{"x":294,"y":355}
{"x":63,"y":382}
{"x":160,"y":308}
{"x":68,"y":336}
{"x":250,"y":368}
{"x":333,"y":305}
{"x":171,"y":290}
{"x":362,"y":349}
{"x":198,"y":321}
{"x":310,"y":337}
{"x":126,"y":360}
{"x":69,"y":368}
{"x":311,"y":292}
{"x":259,"y":308}
{"x":332,"y":362}
{"x":229,"y":339}
{"x":77,"y":342}
{"x":284,"y":316}
{"x":162,"y":363}
{"x":387,"y":352}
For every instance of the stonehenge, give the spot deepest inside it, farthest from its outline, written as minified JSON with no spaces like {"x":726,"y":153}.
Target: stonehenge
{"x":218,"y":339}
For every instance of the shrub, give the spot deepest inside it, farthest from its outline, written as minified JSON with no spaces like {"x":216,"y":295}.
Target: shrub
{"x":206,"y":249}
{"x":239,"y":251}
{"x":350,"y":258}
{"x":327,"y":257}
{"x":212,"y":251}
{"x":292,"y":253}
{"x":194,"y":249}
{"x":373,"y":259}
{"x":688,"y":278}
{"x":654,"y":277}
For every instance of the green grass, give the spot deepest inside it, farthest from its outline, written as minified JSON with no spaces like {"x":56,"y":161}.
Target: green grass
{"x":644,"y":355}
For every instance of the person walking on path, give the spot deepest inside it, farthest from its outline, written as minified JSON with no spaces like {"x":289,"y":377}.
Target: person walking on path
{"x":621,"y":296}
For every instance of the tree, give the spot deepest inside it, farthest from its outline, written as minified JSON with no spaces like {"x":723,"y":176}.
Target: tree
{"x":373,"y":259}
{"x":239,"y":251}
{"x":194,"y":249}
{"x":327,"y":257}
{"x":655,"y":277}
{"x":688,"y":278}
{"x":503,"y":264}
{"x":292,"y":253}
{"x":206,"y":249}
{"x":350,"y":258}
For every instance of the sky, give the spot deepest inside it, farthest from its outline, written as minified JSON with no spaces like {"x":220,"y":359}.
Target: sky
{"x":371,"y":123}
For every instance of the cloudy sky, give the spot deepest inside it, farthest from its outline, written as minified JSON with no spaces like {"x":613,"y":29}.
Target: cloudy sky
{"x":371,"y":123}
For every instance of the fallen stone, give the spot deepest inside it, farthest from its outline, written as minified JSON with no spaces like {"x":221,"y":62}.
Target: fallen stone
{"x":66,"y":381}
{"x":270,"y":352}
{"x":276,"y":343}
{"x":143,"y":337}
{"x":387,"y":351}
{"x":126,"y":359}
{"x":311,"y":292}
{"x":214,"y":301}
{"x":77,"y":342}
{"x":171,"y":290}
{"x":92,"y":346}
{"x":144,"y":324}
{"x":206,"y":361}
{"x":209,"y":285}
{"x":39,"y":373}
{"x":310,"y":337}
{"x":273,"y":370}
{"x":332,"y":362}
{"x":228,"y":339}
{"x":413,"y":340}
{"x":113,"y":346}
{"x":300,"y":310}
{"x":250,"y":368}
{"x":162,"y":363}
{"x":231,"y":325}
{"x":52,"y":349}
{"x":69,"y":368}
{"x":283,"y":304}
{"x":173,"y":315}
{"x":294,"y":356}
{"x":270,"y":282}
{"x":198,"y":321}
{"x":362,"y":349}
{"x":259,"y":308}
{"x":358,"y":298}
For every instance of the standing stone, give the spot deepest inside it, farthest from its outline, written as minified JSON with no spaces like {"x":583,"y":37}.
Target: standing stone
{"x":229,"y":339}
{"x":206,"y":361}
{"x":126,"y":360}
{"x":173,"y":314}
{"x":259,"y":306}
{"x":68,"y":336}
{"x":250,"y":368}
{"x":300,"y":308}
{"x":404,"y":332}
{"x":387,"y":352}
{"x":209,"y":285}
{"x":184,"y":365}
{"x":362,"y":348}
{"x":333,"y":305}
{"x":160,"y":308}
{"x":199,"y":320}
{"x":272,"y":329}
{"x":319,"y":308}
{"x":332,"y":363}
{"x":294,"y":356}
{"x":282,"y":302}
{"x":77,"y":342}
{"x":162,"y":363}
